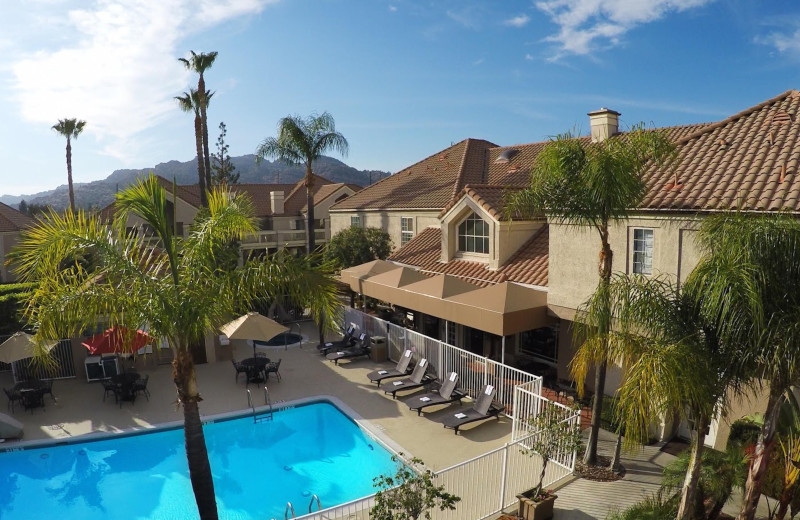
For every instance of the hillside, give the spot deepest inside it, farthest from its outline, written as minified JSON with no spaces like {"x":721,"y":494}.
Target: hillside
{"x":98,"y":194}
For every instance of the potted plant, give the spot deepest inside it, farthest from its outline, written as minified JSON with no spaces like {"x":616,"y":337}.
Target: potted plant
{"x":552,"y":433}
{"x":409,"y":494}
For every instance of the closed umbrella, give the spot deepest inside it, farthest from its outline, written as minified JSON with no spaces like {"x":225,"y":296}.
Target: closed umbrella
{"x":117,"y":340}
{"x":20,"y":346}
{"x":253,"y":326}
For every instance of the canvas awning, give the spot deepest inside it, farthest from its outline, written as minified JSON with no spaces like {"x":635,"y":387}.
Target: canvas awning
{"x":353,"y":276}
{"x":388,"y":286}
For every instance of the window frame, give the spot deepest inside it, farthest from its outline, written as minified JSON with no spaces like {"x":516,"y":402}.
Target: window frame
{"x":406,"y":232}
{"x":642,"y":252}
{"x":355,"y":220}
{"x":463,"y":246}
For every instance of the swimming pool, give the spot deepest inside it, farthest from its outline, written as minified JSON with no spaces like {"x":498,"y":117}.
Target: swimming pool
{"x":257,"y":468}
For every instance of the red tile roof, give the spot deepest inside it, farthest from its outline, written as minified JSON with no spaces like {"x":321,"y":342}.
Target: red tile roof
{"x":13,"y":220}
{"x":489,"y":197}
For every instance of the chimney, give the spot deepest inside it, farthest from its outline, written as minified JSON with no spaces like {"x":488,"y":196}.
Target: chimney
{"x":276,"y":202}
{"x":604,"y":123}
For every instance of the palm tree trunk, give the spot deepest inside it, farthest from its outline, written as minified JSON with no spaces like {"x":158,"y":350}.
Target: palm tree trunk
{"x":201,"y":89}
{"x":755,"y":477}
{"x":201,"y":176}
{"x":69,"y":176}
{"x":689,"y":489}
{"x":196,"y":451}
{"x":615,"y":463}
{"x":310,"y":242}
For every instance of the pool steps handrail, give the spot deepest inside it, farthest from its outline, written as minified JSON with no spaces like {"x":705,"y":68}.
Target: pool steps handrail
{"x":289,"y":506}
{"x":311,"y":504}
{"x":267,"y":401}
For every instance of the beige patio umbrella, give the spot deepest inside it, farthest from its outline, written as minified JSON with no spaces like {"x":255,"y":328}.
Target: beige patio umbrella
{"x":253,"y":326}
{"x":20,"y":346}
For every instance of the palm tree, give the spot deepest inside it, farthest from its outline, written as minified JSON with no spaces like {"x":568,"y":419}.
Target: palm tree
{"x":190,"y":102}
{"x":179,"y":288}
{"x":199,"y":63}
{"x":748,"y":285}
{"x":71,"y":129}
{"x":580,"y":183}
{"x":302,"y":141}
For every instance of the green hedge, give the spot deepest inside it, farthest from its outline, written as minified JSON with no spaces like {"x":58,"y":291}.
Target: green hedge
{"x":11,"y":306}
{"x":11,"y":288}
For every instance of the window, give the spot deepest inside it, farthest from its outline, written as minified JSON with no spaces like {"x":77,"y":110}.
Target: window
{"x":542,"y":343}
{"x":355,"y":221}
{"x":643,"y":251}
{"x":300,"y":224}
{"x":473,"y":235}
{"x":406,"y":230}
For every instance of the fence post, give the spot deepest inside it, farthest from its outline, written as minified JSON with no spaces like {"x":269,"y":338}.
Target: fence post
{"x":503,"y":479}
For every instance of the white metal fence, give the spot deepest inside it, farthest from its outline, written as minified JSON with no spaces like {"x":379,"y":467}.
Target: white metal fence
{"x":62,"y":368}
{"x":353,"y":510}
{"x":474,"y":371}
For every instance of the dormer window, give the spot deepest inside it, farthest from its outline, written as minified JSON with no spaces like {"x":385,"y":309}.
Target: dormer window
{"x":473,"y":235}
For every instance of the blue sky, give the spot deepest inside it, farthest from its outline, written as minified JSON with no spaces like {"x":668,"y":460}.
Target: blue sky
{"x":403,"y":78}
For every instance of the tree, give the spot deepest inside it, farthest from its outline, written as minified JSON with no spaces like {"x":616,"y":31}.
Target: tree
{"x":71,"y":129}
{"x":302,"y":141}
{"x":409,"y":494}
{"x":199,"y":63}
{"x":176,"y":287}
{"x":576,"y":182}
{"x":748,"y":284}
{"x":190,"y":102}
{"x":223,"y":166}
{"x":357,"y":245}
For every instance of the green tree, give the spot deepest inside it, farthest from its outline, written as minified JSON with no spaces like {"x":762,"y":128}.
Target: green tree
{"x":176,"y":287}
{"x":190,"y":102}
{"x":409,"y":494}
{"x":71,"y":129}
{"x":748,"y":285}
{"x":357,"y":245}
{"x":199,"y":63}
{"x":222,"y":165}
{"x":302,"y":141}
{"x":576,"y":182}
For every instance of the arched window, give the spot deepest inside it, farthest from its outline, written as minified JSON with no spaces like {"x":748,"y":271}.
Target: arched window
{"x":473,"y":235}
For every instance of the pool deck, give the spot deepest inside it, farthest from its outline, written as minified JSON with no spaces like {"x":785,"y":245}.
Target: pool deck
{"x":79,"y":407}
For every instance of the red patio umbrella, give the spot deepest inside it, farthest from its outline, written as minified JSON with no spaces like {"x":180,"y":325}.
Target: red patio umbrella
{"x":117,"y":340}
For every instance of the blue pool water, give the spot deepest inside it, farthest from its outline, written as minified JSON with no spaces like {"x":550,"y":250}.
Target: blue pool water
{"x":257,"y":468}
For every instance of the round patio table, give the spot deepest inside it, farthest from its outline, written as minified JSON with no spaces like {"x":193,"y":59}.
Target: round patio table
{"x":255,"y":368}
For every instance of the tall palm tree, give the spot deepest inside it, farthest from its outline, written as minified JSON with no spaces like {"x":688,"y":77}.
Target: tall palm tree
{"x":179,"y":288}
{"x":71,"y":129}
{"x":302,"y":141}
{"x":748,"y":285}
{"x":199,"y":63}
{"x":190,"y":102}
{"x":580,"y":183}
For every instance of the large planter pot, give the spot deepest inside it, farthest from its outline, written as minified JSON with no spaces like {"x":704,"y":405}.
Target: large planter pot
{"x":535,"y":510}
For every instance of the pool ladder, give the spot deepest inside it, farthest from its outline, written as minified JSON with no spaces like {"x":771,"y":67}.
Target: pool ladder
{"x":290,"y":507}
{"x":267,"y":416}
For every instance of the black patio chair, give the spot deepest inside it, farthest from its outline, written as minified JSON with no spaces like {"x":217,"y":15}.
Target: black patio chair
{"x":273,"y":368}
{"x":140,"y":386}
{"x":13,"y":396}
{"x":47,"y":388}
{"x":32,"y":399}
{"x":241,"y":369}
{"x":109,"y":387}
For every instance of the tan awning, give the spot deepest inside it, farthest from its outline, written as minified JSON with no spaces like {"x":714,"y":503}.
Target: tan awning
{"x":388,"y":286}
{"x":353,"y":276}
{"x":427,"y":295}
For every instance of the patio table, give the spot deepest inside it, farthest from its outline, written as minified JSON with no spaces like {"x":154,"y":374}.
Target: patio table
{"x":255,"y":368}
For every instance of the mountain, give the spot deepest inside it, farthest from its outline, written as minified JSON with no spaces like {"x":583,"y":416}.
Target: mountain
{"x":99,"y":194}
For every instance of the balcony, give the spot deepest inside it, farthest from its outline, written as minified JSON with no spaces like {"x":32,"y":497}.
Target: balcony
{"x":278,"y":239}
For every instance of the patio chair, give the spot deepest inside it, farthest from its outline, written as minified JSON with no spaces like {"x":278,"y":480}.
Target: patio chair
{"x":483,"y":408}
{"x":13,"y":396}
{"x":402,"y":369}
{"x":47,"y":388}
{"x":347,"y":341}
{"x":361,"y":348}
{"x":241,"y":369}
{"x":32,"y":399}
{"x":446,"y":393}
{"x":140,"y":386}
{"x":273,"y":368}
{"x":418,"y":379}
{"x":125,"y":392}
{"x":109,"y":387}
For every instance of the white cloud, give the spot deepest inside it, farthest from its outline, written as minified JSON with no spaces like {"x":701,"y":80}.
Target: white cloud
{"x":586,"y":25}
{"x":479,"y":61}
{"x":529,"y":57}
{"x":119,"y":72}
{"x":518,"y":21}
{"x":788,"y":43}
{"x":393,"y":8}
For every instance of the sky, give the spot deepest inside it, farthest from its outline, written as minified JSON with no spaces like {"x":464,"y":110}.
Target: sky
{"x":403,"y":79}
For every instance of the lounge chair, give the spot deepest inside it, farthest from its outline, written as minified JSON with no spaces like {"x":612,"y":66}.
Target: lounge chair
{"x":347,"y":341}
{"x":361,"y":348}
{"x":484,"y":408}
{"x":445,"y":394}
{"x":402,"y":369}
{"x":419,"y":378}
{"x":273,"y":368}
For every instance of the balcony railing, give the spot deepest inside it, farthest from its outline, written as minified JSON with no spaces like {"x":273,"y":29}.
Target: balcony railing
{"x":281,"y":238}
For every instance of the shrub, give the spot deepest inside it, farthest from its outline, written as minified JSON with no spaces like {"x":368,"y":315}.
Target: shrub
{"x":409,"y":494}
{"x":654,"y":507}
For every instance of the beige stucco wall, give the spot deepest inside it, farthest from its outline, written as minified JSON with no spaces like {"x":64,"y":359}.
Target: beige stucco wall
{"x":574,"y":254}
{"x":7,"y":242}
{"x":389,"y":221}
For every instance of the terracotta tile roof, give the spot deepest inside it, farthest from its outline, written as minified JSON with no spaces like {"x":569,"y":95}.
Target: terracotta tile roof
{"x":13,"y":220}
{"x":528,"y":265}
{"x":428,"y":184}
{"x":260,"y":196}
{"x":748,"y":161}
{"x":327,"y":190}
{"x":295,"y":200}
{"x":489,"y":197}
